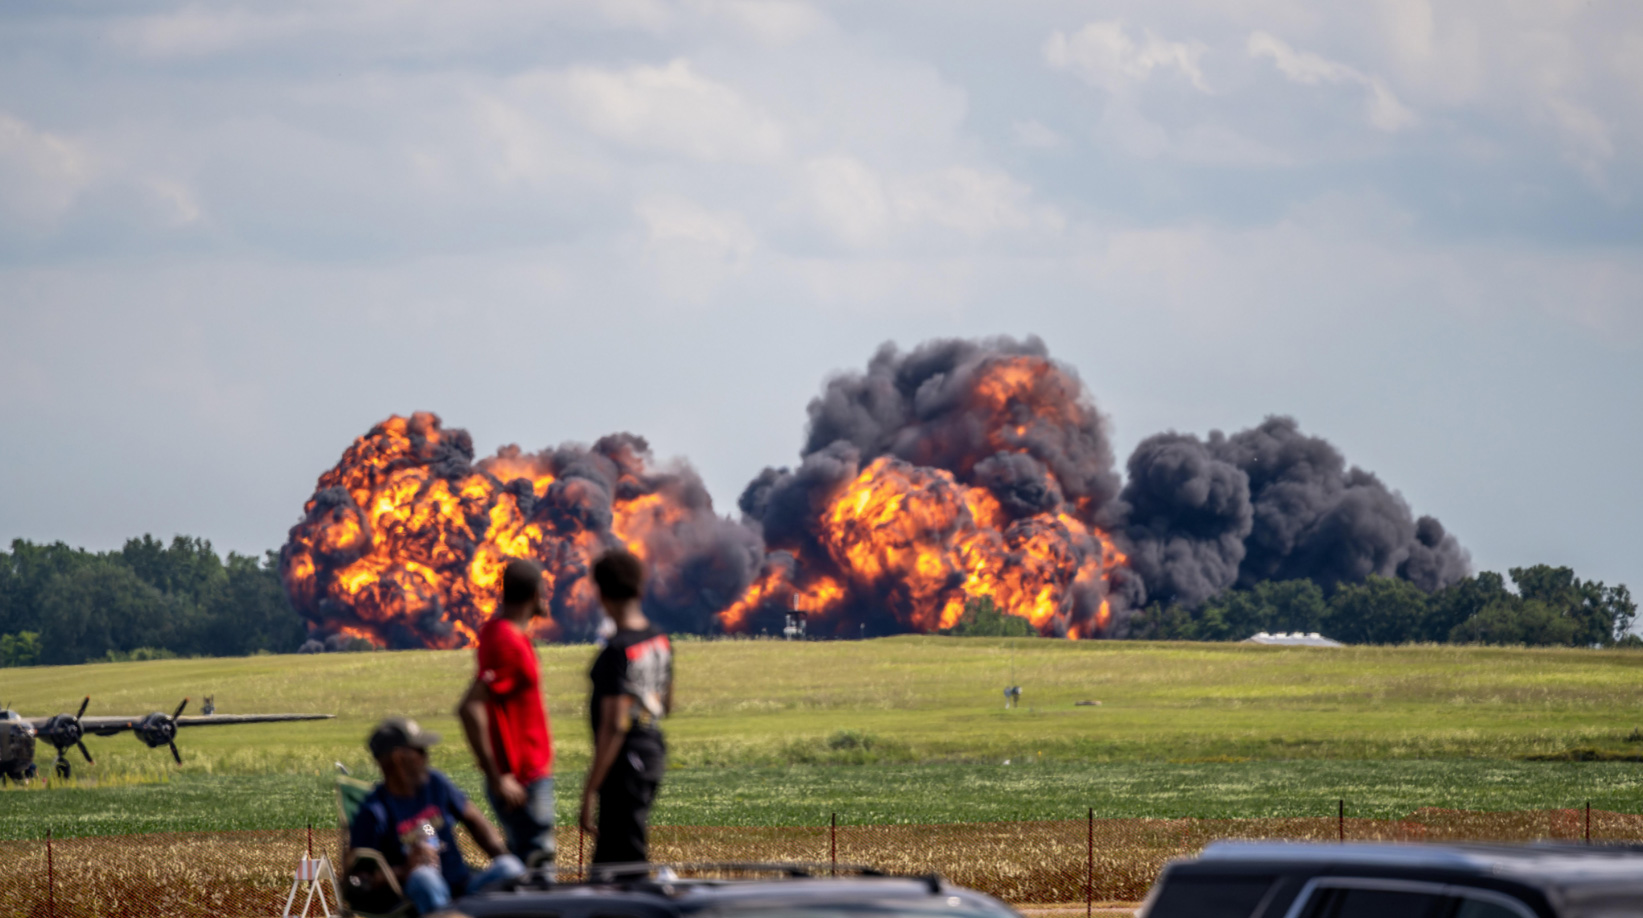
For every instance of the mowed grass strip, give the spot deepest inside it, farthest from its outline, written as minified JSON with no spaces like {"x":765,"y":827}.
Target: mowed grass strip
{"x":908,"y":729}
{"x":914,"y":699}
{"x":807,"y":795}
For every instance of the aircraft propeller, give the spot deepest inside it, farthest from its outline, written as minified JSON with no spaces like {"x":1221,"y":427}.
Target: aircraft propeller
{"x":65,"y":732}
{"x":158,"y":730}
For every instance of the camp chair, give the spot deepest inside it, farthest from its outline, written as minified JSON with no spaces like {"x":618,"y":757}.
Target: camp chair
{"x":351,"y":794}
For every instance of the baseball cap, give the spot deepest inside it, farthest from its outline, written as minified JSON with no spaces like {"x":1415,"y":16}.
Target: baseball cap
{"x":399,"y":731}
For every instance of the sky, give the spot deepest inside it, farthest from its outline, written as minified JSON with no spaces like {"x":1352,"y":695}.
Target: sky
{"x":235,"y":236}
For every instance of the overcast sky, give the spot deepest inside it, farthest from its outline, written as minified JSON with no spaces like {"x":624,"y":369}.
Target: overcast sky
{"x":234,"y":236}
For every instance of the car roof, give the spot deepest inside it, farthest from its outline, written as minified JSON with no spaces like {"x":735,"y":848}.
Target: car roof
{"x":1556,"y":862}
{"x":690,"y":894}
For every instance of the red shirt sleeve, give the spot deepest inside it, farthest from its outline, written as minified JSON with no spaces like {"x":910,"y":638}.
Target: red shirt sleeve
{"x":502,"y":650}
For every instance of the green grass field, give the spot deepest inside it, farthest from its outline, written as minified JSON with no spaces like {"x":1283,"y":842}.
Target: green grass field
{"x":908,"y":729}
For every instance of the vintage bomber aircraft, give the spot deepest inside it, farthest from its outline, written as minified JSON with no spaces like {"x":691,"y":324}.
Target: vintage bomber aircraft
{"x":18,"y":734}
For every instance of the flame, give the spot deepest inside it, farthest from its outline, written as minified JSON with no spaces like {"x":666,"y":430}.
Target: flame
{"x":922,"y":542}
{"x":405,"y":539}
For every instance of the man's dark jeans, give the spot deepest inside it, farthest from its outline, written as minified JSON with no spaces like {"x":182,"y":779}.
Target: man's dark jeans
{"x":529,"y":829}
{"x":626,"y":797}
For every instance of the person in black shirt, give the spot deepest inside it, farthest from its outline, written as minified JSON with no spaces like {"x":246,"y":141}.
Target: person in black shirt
{"x":632,"y":691}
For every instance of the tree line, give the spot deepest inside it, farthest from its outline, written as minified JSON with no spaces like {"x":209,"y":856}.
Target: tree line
{"x":148,"y":599}
{"x":1550,"y":607}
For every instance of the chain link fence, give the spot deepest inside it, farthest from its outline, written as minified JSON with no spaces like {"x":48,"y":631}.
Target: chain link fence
{"x":1074,"y":861}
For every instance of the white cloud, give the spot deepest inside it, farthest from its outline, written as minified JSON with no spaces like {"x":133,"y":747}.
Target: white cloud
{"x":775,"y":22}
{"x":860,"y":207}
{"x":40,"y":173}
{"x":176,"y":203}
{"x":1034,"y":135}
{"x":1382,"y":108}
{"x":520,"y":145}
{"x":693,"y":250}
{"x":848,"y":199}
{"x":671,"y":109}
{"x":1104,"y":55}
{"x":206,"y":30}
{"x":673,"y":220}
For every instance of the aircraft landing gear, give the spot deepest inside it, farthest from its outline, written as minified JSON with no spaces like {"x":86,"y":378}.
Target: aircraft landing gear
{"x":64,"y":769}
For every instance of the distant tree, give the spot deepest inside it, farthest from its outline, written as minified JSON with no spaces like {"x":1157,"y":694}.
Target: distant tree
{"x":103,"y":606}
{"x":139,"y":655}
{"x":22,"y":649}
{"x":1601,"y":615}
{"x":1271,"y":605}
{"x":983,"y":618}
{"x":1159,"y":622}
{"x":188,"y":568}
{"x":149,"y":598}
{"x":249,"y":611}
{"x":1381,"y":610}
{"x":1518,"y":621}
{"x":1551,"y":607}
{"x":25,"y":573}
{"x":1450,"y":606}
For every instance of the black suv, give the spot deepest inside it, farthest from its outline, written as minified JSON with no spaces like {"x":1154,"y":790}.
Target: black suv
{"x":741,"y":891}
{"x":1297,"y":880}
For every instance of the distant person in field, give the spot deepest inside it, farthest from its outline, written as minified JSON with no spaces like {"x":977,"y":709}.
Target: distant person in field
{"x":506,"y":722}
{"x":410,"y":819}
{"x":632,"y":691}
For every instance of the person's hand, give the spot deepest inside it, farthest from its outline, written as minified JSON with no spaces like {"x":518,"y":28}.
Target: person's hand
{"x":508,"y":789}
{"x":585,"y":820}
{"x":422,"y":855}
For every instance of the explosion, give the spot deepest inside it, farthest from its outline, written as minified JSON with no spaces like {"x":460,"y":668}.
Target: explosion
{"x":405,"y":539}
{"x":962,"y":471}
{"x":958,"y":472}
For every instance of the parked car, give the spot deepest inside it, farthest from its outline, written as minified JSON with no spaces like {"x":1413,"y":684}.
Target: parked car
{"x":741,"y":891}
{"x":1307,"y":880}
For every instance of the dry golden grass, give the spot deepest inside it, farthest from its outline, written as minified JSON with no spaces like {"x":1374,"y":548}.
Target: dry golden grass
{"x":248,"y":873}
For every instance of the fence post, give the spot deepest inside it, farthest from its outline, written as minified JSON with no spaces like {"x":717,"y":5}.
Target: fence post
{"x":1588,"y":822}
{"x":310,"y":839}
{"x":1089,"y":865}
{"x":833,"y":844}
{"x":1340,"y":820}
{"x":51,"y":880}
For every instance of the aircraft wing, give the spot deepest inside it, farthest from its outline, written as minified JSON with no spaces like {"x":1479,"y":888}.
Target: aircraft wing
{"x":108,"y":726}
{"x":225,"y":719}
{"x":105,"y":726}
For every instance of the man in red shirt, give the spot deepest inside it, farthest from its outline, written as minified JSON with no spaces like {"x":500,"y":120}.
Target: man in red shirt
{"x":507,"y":724}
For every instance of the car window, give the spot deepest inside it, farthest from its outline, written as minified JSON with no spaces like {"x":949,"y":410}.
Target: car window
{"x":933,"y":907}
{"x":1209,"y":897}
{"x":1379,"y":903}
{"x":1478,"y":908}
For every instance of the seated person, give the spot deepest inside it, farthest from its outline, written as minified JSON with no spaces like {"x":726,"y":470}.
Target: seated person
{"x":411,"y":819}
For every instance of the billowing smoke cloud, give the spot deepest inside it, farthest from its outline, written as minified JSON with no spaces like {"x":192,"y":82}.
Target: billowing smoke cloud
{"x":958,"y":471}
{"x":1271,"y":503}
{"x":405,"y":539}
{"x":953,"y":404}
{"x":1189,"y":516}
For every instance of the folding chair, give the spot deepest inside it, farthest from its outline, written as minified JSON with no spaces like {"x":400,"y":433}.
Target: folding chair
{"x":351,"y":794}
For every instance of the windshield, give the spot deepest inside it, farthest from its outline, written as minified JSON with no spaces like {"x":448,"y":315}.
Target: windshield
{"x":942,"y":906}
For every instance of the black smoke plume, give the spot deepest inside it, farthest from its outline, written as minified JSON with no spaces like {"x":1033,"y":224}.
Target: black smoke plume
{"x":944,"y":420}
{"x":1271,"y":503}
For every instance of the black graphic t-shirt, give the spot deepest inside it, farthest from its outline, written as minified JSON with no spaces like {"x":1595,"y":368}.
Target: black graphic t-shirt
{"x":392,"y":824}
{"x":638,"y":664}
